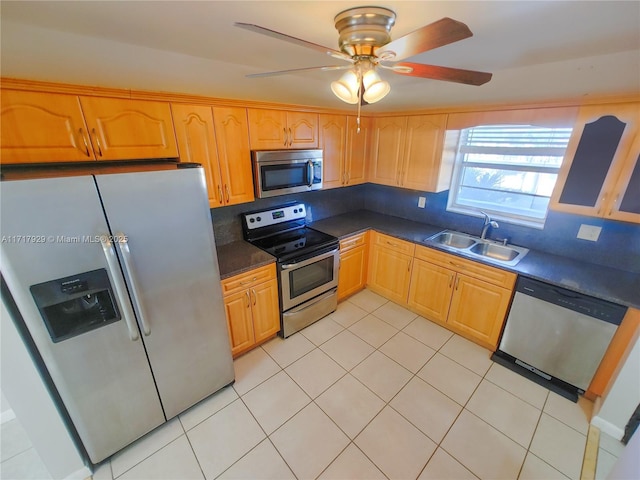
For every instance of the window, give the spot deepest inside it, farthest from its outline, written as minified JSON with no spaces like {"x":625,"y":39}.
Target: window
{"x":508,"y":171}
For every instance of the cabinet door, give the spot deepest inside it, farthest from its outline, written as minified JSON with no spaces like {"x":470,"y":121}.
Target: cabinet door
{"x":239,"y":321}
{"x":357,"y":150}
{"x":265,"y":310}
{"x":423,"y":153}
{"x":387,"y":150}
{"x":123,"y":129}
{"x":197,"y":143}
{"x":267,"y":129}
{"x":478,"y":310}
{"x":389,"y":273}
{"x":232,"y":134}
{"x":430,"y":290}
{"x":594,"y":158}
{"x":353,"y":272}
{"x":43,"y":127}
{"x":302,"y":130}
{"x":625,"y":201}
{"x":332,"y":132}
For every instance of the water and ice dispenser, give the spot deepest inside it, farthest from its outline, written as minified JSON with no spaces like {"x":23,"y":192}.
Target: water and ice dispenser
{"x":77,"y":304}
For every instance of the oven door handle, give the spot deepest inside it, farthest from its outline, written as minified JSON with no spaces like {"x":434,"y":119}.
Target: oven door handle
{"x":309,"y":261}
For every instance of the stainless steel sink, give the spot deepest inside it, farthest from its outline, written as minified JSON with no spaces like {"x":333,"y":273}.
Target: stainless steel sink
{"x":453,"y":239}
{"x":497,"y":252}
{"x":477,"y":247}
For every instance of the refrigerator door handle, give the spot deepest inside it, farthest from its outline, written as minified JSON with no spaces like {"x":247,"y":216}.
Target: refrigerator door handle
{"x":121,"y":291}
{"x":123,"y":246}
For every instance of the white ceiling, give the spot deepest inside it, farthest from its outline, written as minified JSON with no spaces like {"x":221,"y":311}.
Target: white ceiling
{"x":537,"y":50}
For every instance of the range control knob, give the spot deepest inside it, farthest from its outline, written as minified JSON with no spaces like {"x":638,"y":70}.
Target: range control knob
{"x":258,"y":218}
{"x":252,"y":220}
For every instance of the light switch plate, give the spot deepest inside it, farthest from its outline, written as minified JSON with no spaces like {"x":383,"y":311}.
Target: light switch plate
{"x":422,"y":201}
{"x":589,"y":232}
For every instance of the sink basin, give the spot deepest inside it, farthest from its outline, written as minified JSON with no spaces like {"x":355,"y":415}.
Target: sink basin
{"x":454,"y":240}
{"x":497,"y":252}
{"x":478,"y":247}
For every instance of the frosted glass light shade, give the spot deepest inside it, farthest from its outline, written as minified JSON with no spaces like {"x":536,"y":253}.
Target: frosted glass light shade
{"x":346,"y":89}
{"x":375,"y":88}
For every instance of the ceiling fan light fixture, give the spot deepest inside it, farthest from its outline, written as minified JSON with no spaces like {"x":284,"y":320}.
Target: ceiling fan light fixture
{"x":346,"y":89}
{"x":375,"y":89}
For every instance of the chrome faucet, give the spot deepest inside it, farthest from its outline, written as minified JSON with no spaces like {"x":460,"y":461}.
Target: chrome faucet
{"x":487,"y":223}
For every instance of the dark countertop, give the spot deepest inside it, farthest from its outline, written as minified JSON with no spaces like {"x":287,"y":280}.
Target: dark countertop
{"x":239,"y":257}
{"x":599,"y":281}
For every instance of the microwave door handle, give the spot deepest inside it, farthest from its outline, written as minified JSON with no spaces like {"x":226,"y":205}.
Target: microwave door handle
{"x":121,"y":291}
{"x":310,"y":172}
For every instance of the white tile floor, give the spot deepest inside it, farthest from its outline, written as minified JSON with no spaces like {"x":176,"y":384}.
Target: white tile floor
{"x":371,"y":391}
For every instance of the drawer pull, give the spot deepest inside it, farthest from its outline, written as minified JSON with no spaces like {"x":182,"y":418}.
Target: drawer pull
{"x":247,"y":282}
{"x":456,"y":264}
{"x":348,"y":244}
{"x":392,"y":244}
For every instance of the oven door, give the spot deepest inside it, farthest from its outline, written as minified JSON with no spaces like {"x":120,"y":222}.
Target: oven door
{"x":287,"y":176}
{"x":302,"y":280}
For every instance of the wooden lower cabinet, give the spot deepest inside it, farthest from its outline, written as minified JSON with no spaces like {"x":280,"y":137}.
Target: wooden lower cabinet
{"x":353,"y":265}
{"x":390,"y":262}
{"x":251,"y":307}
{"x":464,"y":296}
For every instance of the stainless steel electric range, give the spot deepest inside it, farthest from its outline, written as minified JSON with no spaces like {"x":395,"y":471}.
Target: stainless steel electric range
{"x":307,"y":262}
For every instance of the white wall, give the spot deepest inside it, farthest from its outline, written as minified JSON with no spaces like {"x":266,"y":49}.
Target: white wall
{"x":34,"y":407}
{"x":623,"y":397}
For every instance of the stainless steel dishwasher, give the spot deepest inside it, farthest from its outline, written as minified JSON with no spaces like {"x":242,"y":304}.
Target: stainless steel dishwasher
{"x":557,"y":337}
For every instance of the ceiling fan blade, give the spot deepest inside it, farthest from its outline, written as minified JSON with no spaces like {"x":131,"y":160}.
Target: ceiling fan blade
{"x":296,"y":70}
{"x":469,"y":77}
{"x":294,"y":40}
{"x":434,"y":35}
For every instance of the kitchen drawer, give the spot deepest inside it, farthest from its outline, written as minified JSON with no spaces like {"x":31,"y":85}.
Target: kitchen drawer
{"x":496,"y":276}
{"x":352,"y":242}
{"x":249,"y":279}
{"x":395,"y":244}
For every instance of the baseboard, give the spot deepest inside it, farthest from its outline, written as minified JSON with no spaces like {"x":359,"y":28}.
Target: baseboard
{"x":607,"y":427}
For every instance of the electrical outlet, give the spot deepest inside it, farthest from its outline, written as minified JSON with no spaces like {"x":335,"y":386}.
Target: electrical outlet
{"x":589,"y":232}
{"x":422,"y":201}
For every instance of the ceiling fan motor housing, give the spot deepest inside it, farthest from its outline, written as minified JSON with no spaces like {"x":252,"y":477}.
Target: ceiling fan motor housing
{"x":362,"y":29}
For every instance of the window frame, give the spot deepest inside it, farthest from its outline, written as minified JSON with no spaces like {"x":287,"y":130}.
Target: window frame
{"x":459,"y":168}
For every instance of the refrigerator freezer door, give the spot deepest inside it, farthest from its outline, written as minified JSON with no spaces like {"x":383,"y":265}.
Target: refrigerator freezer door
{"x":169,"y":257}
{"x":50,"y":230}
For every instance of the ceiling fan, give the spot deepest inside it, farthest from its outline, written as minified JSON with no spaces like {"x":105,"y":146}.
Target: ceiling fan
{"x":365,"y":43}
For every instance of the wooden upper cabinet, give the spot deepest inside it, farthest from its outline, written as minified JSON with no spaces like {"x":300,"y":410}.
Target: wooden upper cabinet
{"x":218,"y":138}
{"x":42,"y":127}
{"x":624,"y":204}
{"x":123,"y":129}
{"x":278,"y":129}
{"x":407,"y":152}
{"x":358,"y":149}
{"x":234,"y":152}
{"x":422,"y":167}
{"x":197,"y":143}
{"x":387,"y":143}
{"x":332,"y":131}
{"x":597,"y":154}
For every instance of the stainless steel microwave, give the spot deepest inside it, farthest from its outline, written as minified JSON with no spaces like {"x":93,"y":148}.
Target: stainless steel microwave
{"x":279,"y":172}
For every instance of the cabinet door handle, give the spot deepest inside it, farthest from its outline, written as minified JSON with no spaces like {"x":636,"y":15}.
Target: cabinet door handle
{"x":93,"y":130}
{"x":457,"y":282}
{"x":248,"y":299}
{"x":409,"y":266}
{"x":220,"y":195}
{"x":348,"y":177}
{"x":284,"y":135}
{"x":615,"y":200}
{"x":451,"y":281}
{"x":226,"y":189}
{"x":86,"y":145}
{"x":290,"y":138}
{"x":255,"y":297}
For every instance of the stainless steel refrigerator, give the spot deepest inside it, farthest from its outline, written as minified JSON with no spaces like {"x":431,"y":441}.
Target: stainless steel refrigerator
{"x":116,"y":279}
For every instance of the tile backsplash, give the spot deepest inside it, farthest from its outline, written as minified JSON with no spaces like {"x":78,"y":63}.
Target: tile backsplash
{"x":618,"y":245}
